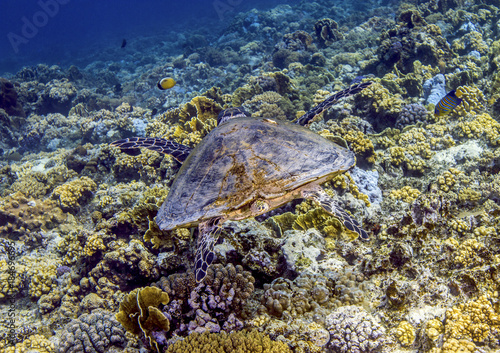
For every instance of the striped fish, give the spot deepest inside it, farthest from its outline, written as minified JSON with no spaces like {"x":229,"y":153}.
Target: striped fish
{"x":447,"y":104}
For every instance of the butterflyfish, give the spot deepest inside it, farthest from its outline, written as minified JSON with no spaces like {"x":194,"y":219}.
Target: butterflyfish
{"x":447,"y":104}
{"x":166,"y":83}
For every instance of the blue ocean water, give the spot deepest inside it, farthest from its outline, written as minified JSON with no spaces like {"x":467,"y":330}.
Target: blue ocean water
{"x":67,"y":32}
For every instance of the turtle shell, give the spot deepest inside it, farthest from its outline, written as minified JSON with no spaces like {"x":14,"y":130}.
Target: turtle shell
{"x":244,"y":160}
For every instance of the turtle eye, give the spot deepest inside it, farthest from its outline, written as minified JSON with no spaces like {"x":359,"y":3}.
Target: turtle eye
{"x":259,"y":206}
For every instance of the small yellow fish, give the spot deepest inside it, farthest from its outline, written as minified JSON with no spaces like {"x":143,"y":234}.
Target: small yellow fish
{"x":166,"y":83}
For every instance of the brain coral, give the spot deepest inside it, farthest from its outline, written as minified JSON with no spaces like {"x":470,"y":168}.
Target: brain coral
{"x":92,"y":333}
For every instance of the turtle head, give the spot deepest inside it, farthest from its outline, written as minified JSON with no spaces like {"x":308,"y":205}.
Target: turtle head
{"x":231,"y":113}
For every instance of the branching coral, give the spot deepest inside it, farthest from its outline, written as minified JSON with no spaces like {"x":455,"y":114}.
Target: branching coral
{"x":472,"y":100}
{"x":482,"y":126}
{"x":72,"y":193}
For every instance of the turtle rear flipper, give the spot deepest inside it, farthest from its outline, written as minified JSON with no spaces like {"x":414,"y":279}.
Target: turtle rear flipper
{"x":327,"y":103}
{"x":131,"y":145}
{"x":207,"y":238}
{"x":329,"y":205}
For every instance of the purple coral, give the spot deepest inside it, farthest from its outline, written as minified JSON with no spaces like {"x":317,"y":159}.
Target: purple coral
{"x":412,"y":114}
{"x":61,"y":270}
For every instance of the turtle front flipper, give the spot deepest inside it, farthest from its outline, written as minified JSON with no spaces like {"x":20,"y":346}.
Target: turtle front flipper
{"x":131,"y":145}
{"x":327,"y":103}
{"x":329,"y":205}
{"x":209,"y":232}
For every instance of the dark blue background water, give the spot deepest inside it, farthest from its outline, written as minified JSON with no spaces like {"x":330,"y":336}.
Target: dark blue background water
{"x":73,"y":29}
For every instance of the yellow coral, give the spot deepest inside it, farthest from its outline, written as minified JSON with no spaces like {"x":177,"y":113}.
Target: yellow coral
{"x":382,"y":100}
{"x":320,"y":219}
{"x":483,"y":231}
{"x":447,"y":179}
{"x":359,"y":142}
{"x":93,"y":244}
{"x":483,"y":126}
{"x":36,"y":343}
{"x":339,"y":181}
{"x":406,"y":194}
{"x":11,"y":278}
{"x":238,"y":341}
{"x":468,"y":253}
{"x":71,"y":193}
{"x":472,"y":321}
{"x":146,"y":164}
{"x":433,"y":329}
{"x":469,"y":195}
{"x":397,"y":154}
{"x":453,"y":345}
{"x":320,"y":96}
{"x":405,"y":333}
{"x":472,"y":40}
{"x":42,"y":274}
{"x":191,"y":122}
{"x":459,"y":225}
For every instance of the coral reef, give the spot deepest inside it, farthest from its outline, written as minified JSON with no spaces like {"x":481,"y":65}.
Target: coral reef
{"x":78,"y":239}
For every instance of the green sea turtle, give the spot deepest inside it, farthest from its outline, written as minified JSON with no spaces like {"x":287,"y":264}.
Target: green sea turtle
{"x":246,"y":167}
